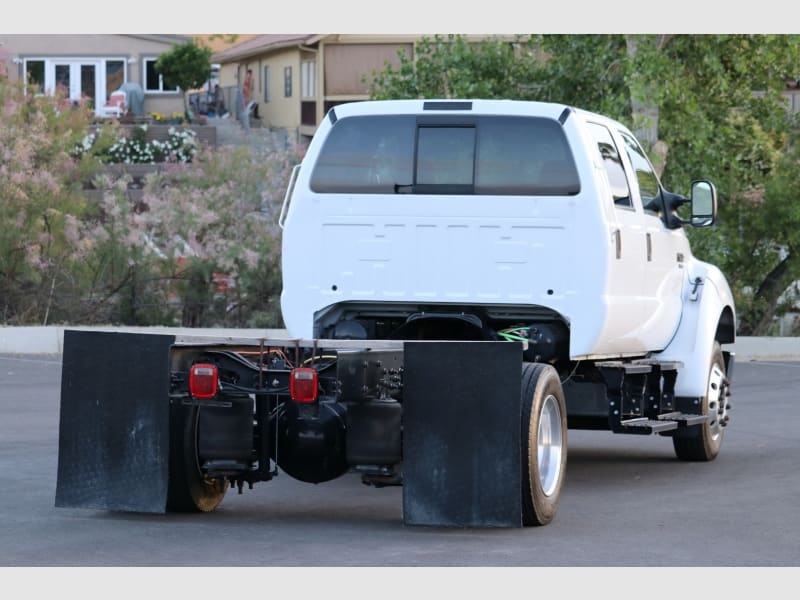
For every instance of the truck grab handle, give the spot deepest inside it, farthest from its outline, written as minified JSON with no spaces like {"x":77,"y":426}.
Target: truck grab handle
{"x":287,"y":196}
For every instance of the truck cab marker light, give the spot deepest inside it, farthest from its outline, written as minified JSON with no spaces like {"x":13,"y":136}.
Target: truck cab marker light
{"x":203,"y":381}
{"x":303,"y":385}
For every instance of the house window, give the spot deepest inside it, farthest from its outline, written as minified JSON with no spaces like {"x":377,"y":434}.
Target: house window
{"x":153,"y":81}
{"x":266,"y":84}
{"x":35,"y":73}
{"x":308,"y":80}
{"x":287,"y":81}
{"x":115,"y":76}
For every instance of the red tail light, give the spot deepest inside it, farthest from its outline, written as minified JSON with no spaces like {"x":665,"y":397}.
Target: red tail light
{"x":203,"y":380}
{"x":303,"y":384}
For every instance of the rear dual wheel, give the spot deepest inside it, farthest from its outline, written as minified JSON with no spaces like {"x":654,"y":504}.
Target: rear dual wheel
{"x":189,"y":489}
{"x":544,"y":443}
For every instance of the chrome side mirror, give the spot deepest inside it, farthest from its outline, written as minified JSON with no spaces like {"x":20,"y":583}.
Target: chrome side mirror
{"x":704,"y":203}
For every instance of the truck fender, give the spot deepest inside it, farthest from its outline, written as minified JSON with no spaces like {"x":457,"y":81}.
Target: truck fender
{"x":708,"y":315}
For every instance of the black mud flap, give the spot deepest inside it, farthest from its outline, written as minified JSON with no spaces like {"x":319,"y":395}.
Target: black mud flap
{"x":113,"y":446}
{"x":461,"y":434}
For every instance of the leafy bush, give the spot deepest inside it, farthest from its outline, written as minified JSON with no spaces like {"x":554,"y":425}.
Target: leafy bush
{"x":200,"y":248}
{"x":213,"y":223}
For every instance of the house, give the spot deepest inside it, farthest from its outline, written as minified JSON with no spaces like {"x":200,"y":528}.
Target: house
{"x":89,"y":67}
{"x":299,"y":77}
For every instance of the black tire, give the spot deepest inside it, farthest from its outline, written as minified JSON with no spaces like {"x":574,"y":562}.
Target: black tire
{"x":189,"y":490}
{"x":544,"y":443}
{"x":703,"y":442}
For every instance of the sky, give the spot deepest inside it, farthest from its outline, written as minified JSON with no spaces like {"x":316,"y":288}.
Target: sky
{"x":405,"y":16}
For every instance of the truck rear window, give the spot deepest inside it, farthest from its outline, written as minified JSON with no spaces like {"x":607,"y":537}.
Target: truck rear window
{"x":499,"y":155}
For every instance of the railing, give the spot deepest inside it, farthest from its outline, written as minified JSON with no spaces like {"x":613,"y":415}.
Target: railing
{"x":792,"y":100}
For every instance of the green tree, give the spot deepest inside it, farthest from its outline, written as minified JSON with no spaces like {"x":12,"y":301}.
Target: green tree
{"x":451,"y":67}
{"x":758,"y":245}
{"x":693,"y":97}
{"x":185,"y":65}
{"x":705,"y":106}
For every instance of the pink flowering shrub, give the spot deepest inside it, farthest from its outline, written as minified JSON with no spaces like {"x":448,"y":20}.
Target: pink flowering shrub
{"x":198,"y":245}
{"x":41,"y":207}
{"x":206,"y":235}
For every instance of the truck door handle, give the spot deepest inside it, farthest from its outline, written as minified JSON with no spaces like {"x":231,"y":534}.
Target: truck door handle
{"x":649,"y":248}
{"x":617,"y":235}
{"x":287,"y":196}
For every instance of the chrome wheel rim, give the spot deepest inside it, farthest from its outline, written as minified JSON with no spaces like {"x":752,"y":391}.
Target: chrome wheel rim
{"x":717,"y":403}
{"x":549,"y":446}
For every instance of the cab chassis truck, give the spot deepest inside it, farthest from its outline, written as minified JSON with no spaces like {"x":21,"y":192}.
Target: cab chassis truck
{"x":463,"y":282}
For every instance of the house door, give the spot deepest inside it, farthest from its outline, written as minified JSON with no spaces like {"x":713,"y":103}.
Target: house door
{"x":77,"y":78}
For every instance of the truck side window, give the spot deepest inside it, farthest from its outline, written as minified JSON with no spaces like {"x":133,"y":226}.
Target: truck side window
{"x":613,"y":165}
{"x":649,"y":187}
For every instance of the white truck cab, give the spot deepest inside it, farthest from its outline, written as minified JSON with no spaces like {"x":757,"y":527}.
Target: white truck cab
{"x":416,"y":218}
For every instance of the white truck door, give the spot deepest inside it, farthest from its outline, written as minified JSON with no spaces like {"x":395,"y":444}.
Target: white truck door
{"x":666,"y":249}
{"x":625,"y":285}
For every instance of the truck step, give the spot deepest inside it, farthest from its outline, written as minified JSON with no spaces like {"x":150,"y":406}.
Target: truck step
{"x":683,"y":419}
{"x":645,"y":426}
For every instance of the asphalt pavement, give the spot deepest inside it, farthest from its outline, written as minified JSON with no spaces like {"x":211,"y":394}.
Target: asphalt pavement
{"x":632,"y":520}
{"x":627,"y":502}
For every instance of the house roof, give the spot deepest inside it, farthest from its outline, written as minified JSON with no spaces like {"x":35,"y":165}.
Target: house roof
{"x":260,"y":44}
{"x":165,"y":38}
